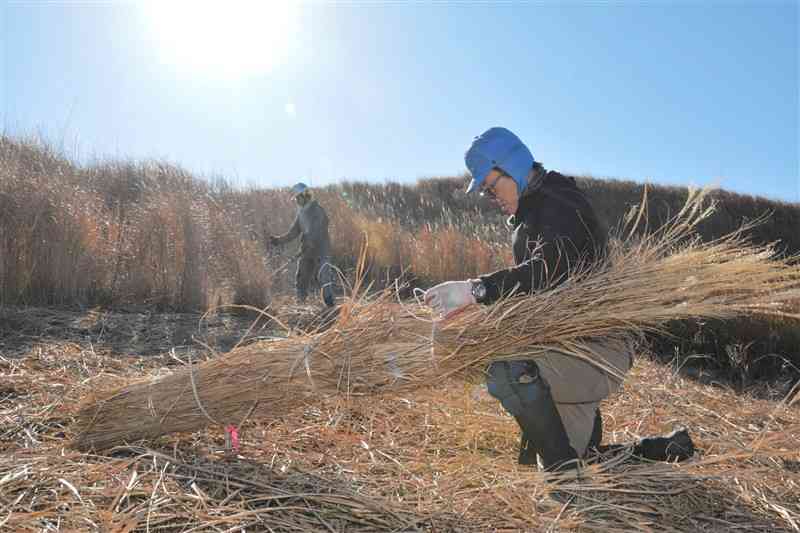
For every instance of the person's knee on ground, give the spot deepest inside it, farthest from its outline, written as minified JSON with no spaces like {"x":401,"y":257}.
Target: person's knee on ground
{"x":526,"y":396}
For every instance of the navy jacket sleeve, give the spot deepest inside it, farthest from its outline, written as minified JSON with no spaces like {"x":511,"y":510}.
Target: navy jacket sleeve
{"x":552,"y":253}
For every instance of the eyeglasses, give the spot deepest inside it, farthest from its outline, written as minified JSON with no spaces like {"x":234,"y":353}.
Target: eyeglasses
{"x":489,"y":191}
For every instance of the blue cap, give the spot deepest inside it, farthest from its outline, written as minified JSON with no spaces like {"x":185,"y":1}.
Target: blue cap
{"x":299,"y":188}
{"x":498,"y":147}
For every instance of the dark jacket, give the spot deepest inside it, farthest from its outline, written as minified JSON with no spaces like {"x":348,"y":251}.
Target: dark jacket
{"x":311,"y":224}
{"x":557,"y":224}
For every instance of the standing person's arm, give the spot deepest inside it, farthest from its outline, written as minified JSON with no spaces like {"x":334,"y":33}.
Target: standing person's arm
{"x":290,"y":235}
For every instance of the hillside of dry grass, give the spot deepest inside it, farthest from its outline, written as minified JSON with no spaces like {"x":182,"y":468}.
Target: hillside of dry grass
{"x":121,"y":233}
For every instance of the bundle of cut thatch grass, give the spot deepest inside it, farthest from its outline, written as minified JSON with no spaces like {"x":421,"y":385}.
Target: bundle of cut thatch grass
{"x":379,"y":345}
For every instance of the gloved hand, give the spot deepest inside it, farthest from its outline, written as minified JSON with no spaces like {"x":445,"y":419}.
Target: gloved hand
{"x":450,"y":297}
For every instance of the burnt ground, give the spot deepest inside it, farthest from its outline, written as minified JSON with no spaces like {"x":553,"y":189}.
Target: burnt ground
{"x":143,"y":332}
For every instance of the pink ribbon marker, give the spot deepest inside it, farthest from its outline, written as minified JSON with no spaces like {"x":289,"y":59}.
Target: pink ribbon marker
{"x":232,"y":437}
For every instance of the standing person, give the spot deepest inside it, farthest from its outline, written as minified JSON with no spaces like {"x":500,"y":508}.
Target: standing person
{"x":313,"y":259}
{"x":555,"y":398}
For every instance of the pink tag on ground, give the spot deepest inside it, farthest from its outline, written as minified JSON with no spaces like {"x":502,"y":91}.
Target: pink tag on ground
{"x":233,"y":433}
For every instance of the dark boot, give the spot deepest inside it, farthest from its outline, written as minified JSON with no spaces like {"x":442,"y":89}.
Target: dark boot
{"x":676,"y":446}
{"x":542,"y":429}
{"x":325,"y":277}
{"x":526,"y":396}
{"x":527,"y":452}
{"x":597,"y":432}
{"x":327,"y":296}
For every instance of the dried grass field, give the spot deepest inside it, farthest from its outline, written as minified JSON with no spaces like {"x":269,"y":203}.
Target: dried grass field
{"x":106,"y":269}
{"x":442,"y":459}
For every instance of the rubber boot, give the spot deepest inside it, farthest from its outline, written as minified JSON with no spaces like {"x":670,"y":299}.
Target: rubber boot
{"x":543,"y":429}
{"x":527,"y":452}
{"x":325,"y":277}
{"x":327,"y":296}
{"x":526,"y":396}
{"x":676,"y":446}
{"x":597,"y":432}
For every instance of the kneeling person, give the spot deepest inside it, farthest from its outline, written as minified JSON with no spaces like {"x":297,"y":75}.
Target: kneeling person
{"x":554,"y":398}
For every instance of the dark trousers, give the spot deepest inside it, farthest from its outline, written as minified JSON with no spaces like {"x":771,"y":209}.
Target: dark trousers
{"x":314,"y":269}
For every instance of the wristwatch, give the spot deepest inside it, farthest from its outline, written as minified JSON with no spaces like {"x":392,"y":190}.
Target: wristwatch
{"x":478,"y":290}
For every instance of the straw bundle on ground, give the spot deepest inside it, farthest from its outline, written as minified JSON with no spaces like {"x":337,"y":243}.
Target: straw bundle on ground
{"x":377,"y":345}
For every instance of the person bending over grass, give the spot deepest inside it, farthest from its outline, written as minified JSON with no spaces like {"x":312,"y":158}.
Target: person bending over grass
{"x":554,"y":399}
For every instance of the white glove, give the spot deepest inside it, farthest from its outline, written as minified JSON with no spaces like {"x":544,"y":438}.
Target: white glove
{"x":450,"y":297}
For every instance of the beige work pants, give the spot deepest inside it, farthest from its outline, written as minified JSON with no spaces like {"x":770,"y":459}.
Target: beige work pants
{"x":578,"y":387}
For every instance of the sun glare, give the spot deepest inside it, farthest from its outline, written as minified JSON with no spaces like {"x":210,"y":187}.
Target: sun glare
{"x":231,"y":38}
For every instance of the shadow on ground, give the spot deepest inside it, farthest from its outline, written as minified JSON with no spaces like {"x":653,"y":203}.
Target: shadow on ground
{"x":148,"y":333}
{"x":125,"y":333}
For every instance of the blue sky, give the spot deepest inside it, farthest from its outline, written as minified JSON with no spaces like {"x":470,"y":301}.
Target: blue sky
{"x":669,"y":92}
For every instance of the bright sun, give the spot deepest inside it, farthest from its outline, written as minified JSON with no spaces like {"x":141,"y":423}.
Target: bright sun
{"x":226,"y":38}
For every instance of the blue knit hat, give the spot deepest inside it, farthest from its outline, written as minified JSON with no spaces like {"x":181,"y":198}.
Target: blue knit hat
{"x":498,"y":148}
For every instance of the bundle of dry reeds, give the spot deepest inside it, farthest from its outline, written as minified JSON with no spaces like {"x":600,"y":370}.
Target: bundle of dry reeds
{"x":378,"y":345}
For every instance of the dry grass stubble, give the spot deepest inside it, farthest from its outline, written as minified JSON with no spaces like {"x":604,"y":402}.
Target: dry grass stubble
{"x":442,"y":460}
